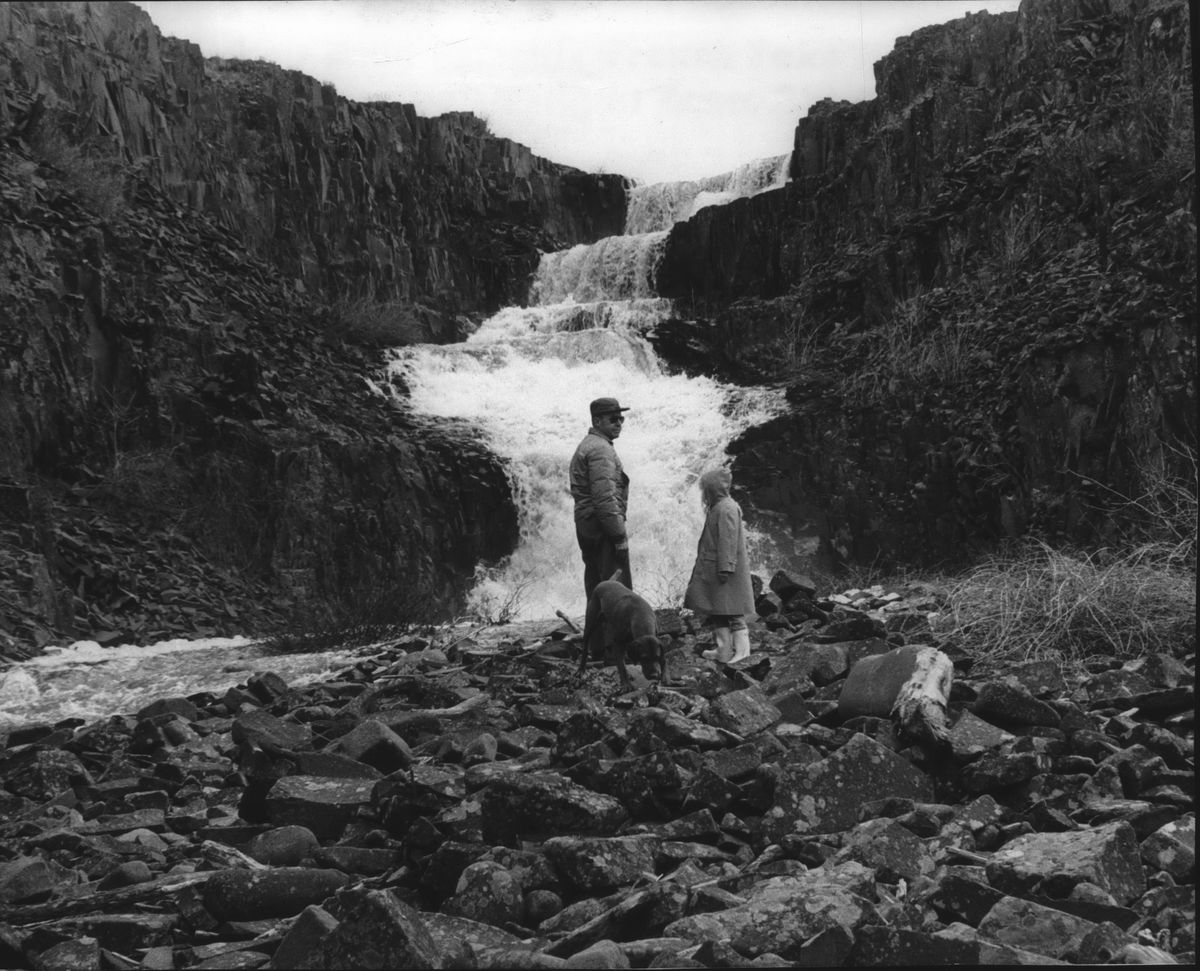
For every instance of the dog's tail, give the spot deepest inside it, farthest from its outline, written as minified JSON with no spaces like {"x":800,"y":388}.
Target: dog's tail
{"x":616,"y":577}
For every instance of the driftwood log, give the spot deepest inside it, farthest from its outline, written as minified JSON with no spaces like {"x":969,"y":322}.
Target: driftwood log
{"x":910,"y":685}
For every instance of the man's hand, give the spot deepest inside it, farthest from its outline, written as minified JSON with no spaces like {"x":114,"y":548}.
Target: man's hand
{"x":621,"y":544}
{"x":723,"y":576}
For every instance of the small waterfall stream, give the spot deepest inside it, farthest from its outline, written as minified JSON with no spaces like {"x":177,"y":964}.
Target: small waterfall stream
{"x":524,"y":378}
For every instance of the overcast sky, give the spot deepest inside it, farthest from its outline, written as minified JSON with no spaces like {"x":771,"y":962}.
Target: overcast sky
{"x":653,"y":90}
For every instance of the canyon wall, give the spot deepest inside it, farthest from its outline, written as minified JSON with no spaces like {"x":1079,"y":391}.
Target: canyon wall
{"x":191,"y":441}
{"x":979,"y":287}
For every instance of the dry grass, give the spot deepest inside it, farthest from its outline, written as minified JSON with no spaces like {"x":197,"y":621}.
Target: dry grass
{"x":915,"y":352}
{"x":377,"y":324}
{"x":1046,"y":604}
{"x":96,"y":175}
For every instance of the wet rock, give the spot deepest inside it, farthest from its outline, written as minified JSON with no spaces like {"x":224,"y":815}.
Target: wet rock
{"x":368,"y":861}
{"x":540,"y":906}
{"x":996,"y":771}
{"x":1172,"y":849}
{"x":283,"y":845}
{"x":28,"y":879}
{"x":376,"y":745}
{"x":466,"y":943}
{"x":78,"y":955}
{"x":589,"y":865}
{"x":1053,"y":863}
{"x":825,"y":796}
{"x":971,"y":736}
{"x":488,"y":893}
{"x":304,"y":938}
{"x":127,"y":874}
{"x":848,"y":624}
{"x":375,"y":929}
{"x":43,"y":774}
{"x":642,"y":783}
{"x":322,"y":805}
{"x":742,"y":712}
{"x":269,"y":733}
{"x":602,"y":954}
{"x":782,"y":913}
{"x":897,"y":946}
{"x":787,"y":585}
{"x":649,"y":911}
{"x":678,"y":730}
{"x":1010,"y":704}
{"x":273,"y":892}
{"x":545,"y":804}
{"x":123,"y":933}
{"x":963,"y":894}
{"x":1043,"y":930}
{"x":887,"y":847}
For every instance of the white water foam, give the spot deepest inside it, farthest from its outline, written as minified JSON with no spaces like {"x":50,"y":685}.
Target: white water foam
{"x":530,"y":397}
{"x":615,"y":268}
{"x":90,"y":682}
{"x":656,"y":207}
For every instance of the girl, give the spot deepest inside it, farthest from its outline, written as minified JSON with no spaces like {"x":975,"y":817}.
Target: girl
{"x":720,"y":584}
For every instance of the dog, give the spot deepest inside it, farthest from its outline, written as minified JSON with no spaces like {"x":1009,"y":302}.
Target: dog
{"x":621,"y":626}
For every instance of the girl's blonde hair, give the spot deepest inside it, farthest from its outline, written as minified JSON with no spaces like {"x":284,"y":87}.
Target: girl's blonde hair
{"x":714,"y":485}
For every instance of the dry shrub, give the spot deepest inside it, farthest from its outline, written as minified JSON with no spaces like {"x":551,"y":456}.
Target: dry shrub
{"x":87,"y":170}
{"x":1167,"y":510}
{"x":377,"y":324}
{"x":1041,"y":603}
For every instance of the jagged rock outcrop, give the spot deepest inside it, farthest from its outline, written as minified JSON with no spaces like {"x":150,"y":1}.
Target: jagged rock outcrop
{"x":980,"y":287}
{"x":346,"y":199}
{"x":190,"y":439}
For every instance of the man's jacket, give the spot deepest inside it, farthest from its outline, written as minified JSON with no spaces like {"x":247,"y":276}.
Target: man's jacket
{"x":599,"y":486}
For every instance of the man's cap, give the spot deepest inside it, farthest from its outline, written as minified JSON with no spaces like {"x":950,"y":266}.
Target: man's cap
{"x":606,"y":406}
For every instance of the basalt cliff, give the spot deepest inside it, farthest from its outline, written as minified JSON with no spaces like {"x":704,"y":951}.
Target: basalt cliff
{"x":980,"y":287}
{"x":187,"y":428}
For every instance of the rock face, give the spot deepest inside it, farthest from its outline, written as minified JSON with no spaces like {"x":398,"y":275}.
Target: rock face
{"x":344,"y":198}
{"x":980,"y":287}
{"x":185,"y":387}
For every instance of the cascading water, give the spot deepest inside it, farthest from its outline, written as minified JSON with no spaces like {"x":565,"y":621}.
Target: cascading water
{"x":525,"y":378}
{"x":657,"y":207}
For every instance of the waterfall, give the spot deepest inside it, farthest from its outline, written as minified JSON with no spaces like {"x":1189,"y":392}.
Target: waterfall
{"x":655,"y":208}
{"x":525,"y":379}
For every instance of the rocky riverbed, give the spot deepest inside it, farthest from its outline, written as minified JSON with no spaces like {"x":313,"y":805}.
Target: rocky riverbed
{"x":464,"y":798}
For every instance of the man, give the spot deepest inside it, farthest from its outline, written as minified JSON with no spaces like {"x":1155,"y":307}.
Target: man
{"x":600,"y":488}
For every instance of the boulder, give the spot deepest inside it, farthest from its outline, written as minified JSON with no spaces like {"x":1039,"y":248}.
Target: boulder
{"x":488,"y":894}
{"x":376,"y":745}
{"x":781,"y":914}
{"x":1033,"y":927}
{"x":1053,"y":863}
{"x":547,"y":805}
{"x":825,"y":797}
{"x":320,"y":804}
{"x":599,"y":864}
{"x":274,"y":892}
{"x":376,"y":929}
{"x":743,"y":712}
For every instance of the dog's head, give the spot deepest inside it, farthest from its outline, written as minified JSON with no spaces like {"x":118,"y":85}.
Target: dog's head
{"x":651,"y":653}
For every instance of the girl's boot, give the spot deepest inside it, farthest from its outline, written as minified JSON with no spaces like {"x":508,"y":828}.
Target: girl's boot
{"x":741,"y":645}
{"x":723,"y":638}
